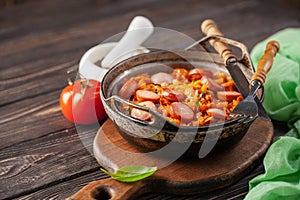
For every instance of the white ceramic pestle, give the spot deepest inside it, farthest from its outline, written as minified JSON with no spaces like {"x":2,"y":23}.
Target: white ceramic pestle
{"x":138,"y":31}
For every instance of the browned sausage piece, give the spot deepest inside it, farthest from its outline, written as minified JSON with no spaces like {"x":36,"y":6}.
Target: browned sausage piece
{"x":128,"y":88}
{"x":217,"y":113}
{"x":162,"y":77}
{"x":141,"y":114}
{"x":228,"y":95}
{"x":194,"y":74}
{"x":173,"y":95}
{"x":211,"y":84}
{"x":182,"y":111}
{"x":145,"y":95}
{"x":198,"y":73}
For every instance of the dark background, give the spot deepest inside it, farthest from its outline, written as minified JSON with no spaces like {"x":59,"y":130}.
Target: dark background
{"x":41,"y":154}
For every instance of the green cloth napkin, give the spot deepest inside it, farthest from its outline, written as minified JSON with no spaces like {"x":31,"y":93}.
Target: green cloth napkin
{"x":281,"y":179}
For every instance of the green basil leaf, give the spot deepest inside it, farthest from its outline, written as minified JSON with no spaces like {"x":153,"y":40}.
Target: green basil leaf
{"x":197,"y":105}
{"x":131,"y":173}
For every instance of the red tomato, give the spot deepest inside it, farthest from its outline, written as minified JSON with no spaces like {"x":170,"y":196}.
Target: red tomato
{"x":80,"y":102}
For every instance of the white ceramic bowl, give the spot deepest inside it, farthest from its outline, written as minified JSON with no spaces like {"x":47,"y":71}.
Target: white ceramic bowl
{"x":87,"y":67}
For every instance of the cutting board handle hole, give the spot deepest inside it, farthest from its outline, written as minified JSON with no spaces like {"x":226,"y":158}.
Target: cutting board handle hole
{"x":102,"y":193}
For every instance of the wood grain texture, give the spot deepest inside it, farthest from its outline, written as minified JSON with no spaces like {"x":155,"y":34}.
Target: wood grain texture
{"x":236,"y":191}
{"x":44,"y":161}
{"x":75,"y":183}
{"x":40,"y":41}
{"x":184,"y":176}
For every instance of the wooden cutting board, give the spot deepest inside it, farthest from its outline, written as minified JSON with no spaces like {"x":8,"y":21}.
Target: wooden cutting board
{"x":184,"y":176}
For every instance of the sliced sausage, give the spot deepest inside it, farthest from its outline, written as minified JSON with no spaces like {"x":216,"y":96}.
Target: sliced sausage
{"x":228,"y":95}
{"x":217,"y":113}
{"x":145,"y":95}
{"x":161,"y":78}
{"x":211,"y":84}
{"x":128,"y":88}
{"x":173,"y":95}
{"x":198,"y":73}
{"x":194,"y":74}
{"x":182,"y":111}
{"x":141,"y":114}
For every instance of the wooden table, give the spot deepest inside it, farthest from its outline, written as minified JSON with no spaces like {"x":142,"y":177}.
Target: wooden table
{"x":42,"y":156}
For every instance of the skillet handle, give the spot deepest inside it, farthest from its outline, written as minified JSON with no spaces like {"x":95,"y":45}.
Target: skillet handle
{"x":266,"y":61}
{"x":159,"y":122}
{"x":209,"y":28}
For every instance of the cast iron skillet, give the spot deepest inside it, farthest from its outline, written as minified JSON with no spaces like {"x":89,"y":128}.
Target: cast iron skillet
{"x":153,"y":135}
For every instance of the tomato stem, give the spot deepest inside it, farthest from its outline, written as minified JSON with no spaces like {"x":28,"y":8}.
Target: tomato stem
{"x":70,"y":82}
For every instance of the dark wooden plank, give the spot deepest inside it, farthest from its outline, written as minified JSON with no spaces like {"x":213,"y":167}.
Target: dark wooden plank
{"x":31,"y":118}
{"x":50,"y":46}
{"x":46,"y":160}
{"x":224,"y":14}
{"x":40,"y":41}
{"x":248,"y":21}
{"x":50,"y":79}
